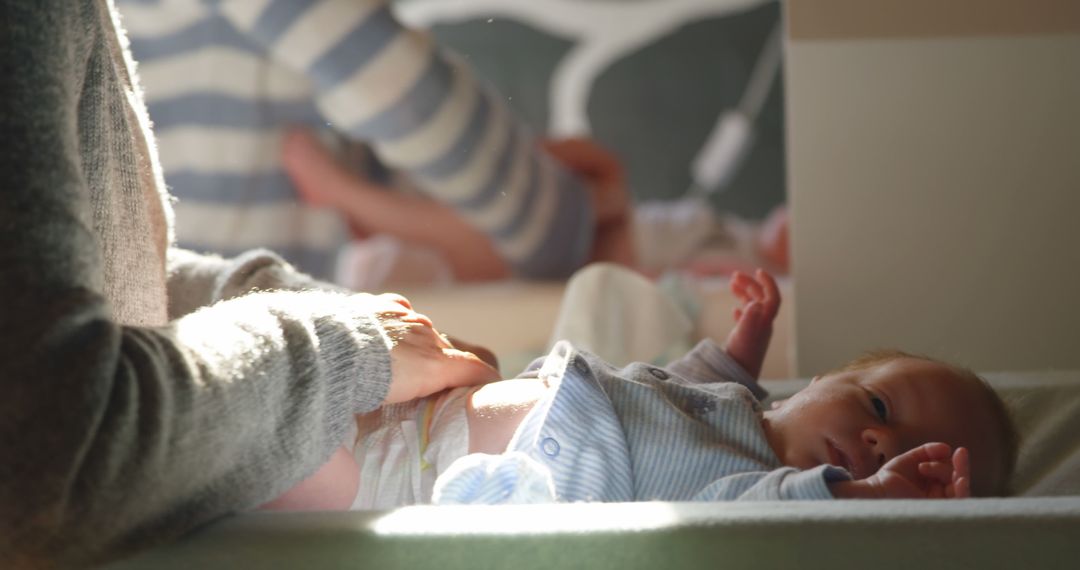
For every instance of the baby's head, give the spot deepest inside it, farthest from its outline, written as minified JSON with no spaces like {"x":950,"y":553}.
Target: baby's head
{"x":885,"y":403}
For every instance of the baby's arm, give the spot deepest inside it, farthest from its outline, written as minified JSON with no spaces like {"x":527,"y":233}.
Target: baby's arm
{"x":930,"y":471}
{"x":749,"y":340}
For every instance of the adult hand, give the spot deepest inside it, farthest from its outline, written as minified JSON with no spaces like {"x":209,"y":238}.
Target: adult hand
{"x":606,"y":181}
{"x":422,"y":361}
{"x":480,"y":351}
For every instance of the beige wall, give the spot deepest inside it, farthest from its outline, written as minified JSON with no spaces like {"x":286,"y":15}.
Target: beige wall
{"x":935,"y":181}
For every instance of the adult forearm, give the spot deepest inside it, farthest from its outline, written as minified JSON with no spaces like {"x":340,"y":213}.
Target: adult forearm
{"x":117,"y":428}
{"x":197,"y":280}
{"x":130,"y":436}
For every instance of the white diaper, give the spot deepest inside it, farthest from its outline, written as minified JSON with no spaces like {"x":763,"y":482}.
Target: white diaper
{"x":401,"y":449}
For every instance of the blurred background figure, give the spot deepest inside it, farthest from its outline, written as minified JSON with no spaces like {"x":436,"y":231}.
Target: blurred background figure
{"x":225,"y":81}
{"x":684,"y":95}
{"x":688,"y":94}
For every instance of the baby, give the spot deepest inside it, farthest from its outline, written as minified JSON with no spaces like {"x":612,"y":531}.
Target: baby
{"x":575,"y":428}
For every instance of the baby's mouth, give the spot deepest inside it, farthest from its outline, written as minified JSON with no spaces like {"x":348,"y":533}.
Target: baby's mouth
{"x":839,"y":458}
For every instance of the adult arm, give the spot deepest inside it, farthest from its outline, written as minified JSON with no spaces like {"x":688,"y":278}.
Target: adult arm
{"x":198,"y":280}
{"x":426,"y":114}
{"x":114,"y":436}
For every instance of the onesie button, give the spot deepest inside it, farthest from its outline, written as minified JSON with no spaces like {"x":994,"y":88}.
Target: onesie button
{"x":580,"y":365}
{"x":549,"y":446}
{"x":700,"y":405}
{"x":660,"y":374}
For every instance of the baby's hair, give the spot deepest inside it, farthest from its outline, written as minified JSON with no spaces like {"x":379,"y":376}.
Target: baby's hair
{"x":1007,"y":434}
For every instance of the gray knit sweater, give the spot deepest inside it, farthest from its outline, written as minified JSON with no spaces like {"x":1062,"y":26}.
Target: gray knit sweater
{"x":143,"y":390}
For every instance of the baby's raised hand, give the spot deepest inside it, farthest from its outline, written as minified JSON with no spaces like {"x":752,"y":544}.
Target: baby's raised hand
{"x":759,"y":299}
{"x":930,"y":471}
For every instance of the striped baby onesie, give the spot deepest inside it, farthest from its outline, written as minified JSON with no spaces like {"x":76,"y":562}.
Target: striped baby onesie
{"x":639,"y":433}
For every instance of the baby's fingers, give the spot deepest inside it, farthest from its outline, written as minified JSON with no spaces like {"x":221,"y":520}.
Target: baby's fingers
{"x":746,"y":288}
{"x":935,"y":451}
{"x":751,"y":312}
{"x":738,"y":285}
{"x":960,"y":489}
{"x":961,"y":480}
{"x":961,"y":462}
{"x":770,"y":293}
{"x":938,"y":470}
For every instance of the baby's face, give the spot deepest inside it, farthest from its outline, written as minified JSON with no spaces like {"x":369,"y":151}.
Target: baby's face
{"x":861,"y":419}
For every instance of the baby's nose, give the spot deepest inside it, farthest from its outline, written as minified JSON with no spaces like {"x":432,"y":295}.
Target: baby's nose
{"x":879,"y":443}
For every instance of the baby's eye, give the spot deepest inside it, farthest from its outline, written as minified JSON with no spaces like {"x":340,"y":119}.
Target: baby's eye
{"x":879,"y":407}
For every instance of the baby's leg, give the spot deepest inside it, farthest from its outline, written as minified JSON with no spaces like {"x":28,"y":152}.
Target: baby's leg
{"x":332,"y":488}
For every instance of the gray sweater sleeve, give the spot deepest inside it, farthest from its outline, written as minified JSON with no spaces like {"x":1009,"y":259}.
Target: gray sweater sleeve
{"x":198,"y":280}
{"x":116,"y":437}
